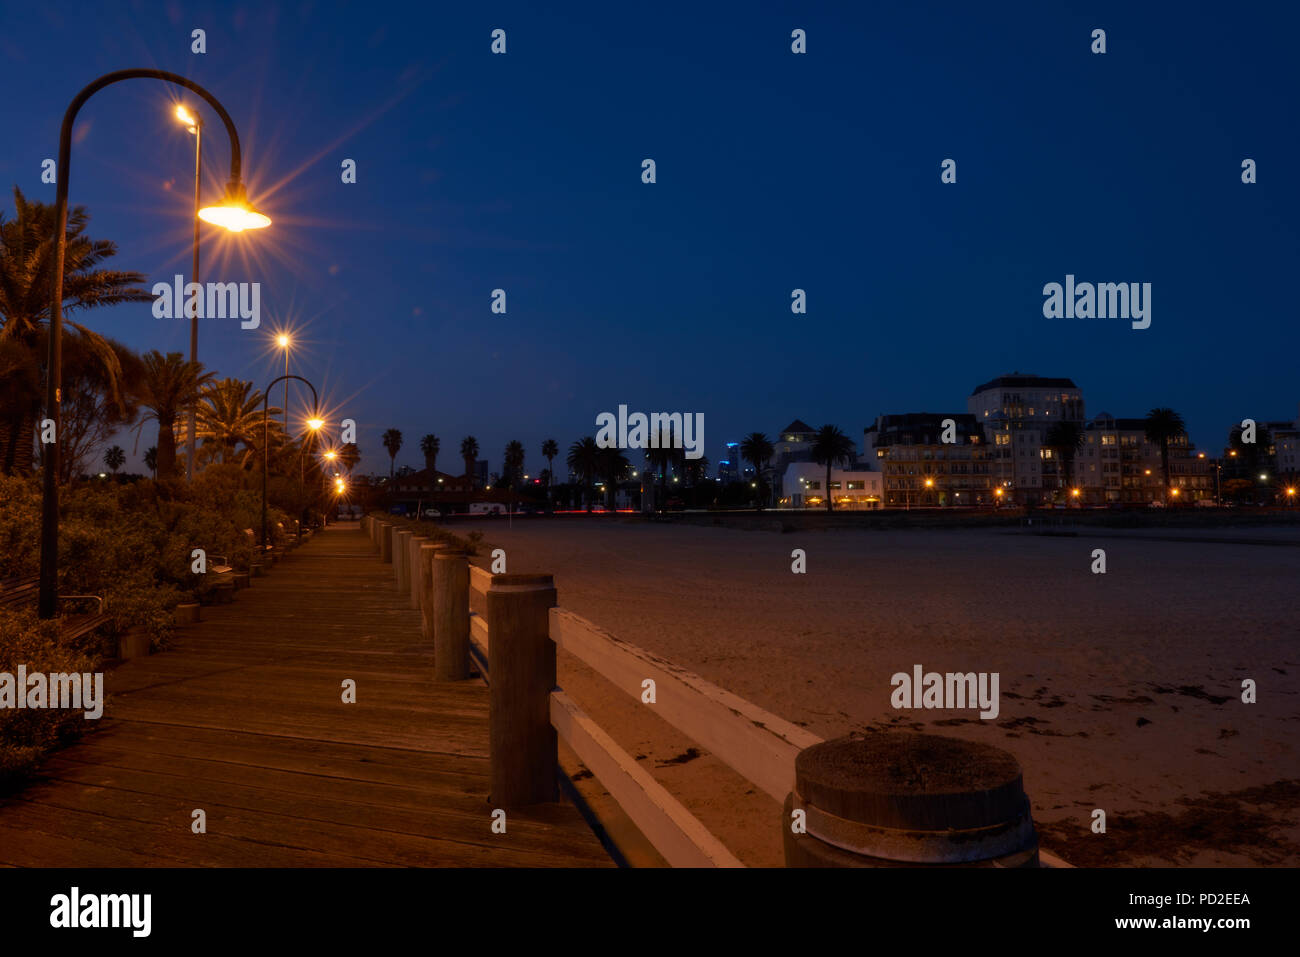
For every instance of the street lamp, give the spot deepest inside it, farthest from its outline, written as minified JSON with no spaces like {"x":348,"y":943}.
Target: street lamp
{"x":195,"y":125}
{"x":266,"y":437}
{"x":48,"y":596}
{"x":284,"y":342}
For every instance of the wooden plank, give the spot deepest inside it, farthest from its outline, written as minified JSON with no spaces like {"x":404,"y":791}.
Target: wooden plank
{"x":480,"y":579}
{"x":242,"y":716}
{"x":756,"y":743}
{"x":674,"y":831}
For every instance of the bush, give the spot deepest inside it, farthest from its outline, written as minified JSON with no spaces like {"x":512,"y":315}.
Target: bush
{"x":27,"y":734}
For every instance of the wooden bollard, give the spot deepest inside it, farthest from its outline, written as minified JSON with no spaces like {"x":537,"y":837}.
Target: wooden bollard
{"x":450,"y":600}
{"x":906,"y":800}
{"x":521,"y":665}
{"x":413,"y":568}
{"x":427,"y":553}
{"x":386,"y":531}
{"x":401,"y":554}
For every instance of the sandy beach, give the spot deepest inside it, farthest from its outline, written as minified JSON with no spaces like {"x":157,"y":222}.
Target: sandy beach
{"x":1119,"y":691}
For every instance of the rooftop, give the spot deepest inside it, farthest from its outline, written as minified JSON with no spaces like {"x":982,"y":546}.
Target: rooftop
{"x":1025,"y":380}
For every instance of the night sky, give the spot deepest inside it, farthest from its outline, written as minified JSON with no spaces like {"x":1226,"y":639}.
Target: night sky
{"x":775,"y":171}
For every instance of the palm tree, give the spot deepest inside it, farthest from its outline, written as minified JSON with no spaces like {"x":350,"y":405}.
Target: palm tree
{"x":151,"y":460}
{"x":1163,"y":426}
{"x":469,"y":452}
{"x":171,"y":384}
{"x":549,"y":451}
{"x":114,"y":458}
{"x":513,"y":462}
{"x":26,"y":272}
{"x":392,"y":442}
{"x":758,"y":450}
{"x":1065,"y":439}
{"x":350,"y":455}
{"x":430,"y":445}
{"x":230,"y":413}
{"x":831,"y":446}
{"x":612,"y":467}
{"x":584,"y":459}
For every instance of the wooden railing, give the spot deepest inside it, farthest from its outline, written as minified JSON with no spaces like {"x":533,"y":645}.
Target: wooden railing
{"x":510,"y":617}
{"x":508,"y":628}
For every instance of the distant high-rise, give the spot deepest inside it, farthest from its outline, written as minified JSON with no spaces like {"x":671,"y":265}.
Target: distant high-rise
{"x":1016,"y":412}
{"x":729,"y":467}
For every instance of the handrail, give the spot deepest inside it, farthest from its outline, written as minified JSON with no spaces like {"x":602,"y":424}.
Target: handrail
{"x":754,"y":742}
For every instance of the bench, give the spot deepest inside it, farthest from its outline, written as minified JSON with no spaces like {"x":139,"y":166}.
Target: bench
{"x":223,"y":584}
{"x":25,"y":590}
{"x":256,"y":568}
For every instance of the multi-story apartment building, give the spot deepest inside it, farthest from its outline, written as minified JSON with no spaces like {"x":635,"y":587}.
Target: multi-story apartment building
{"x":919,"y":468}
{"x":1118,"y":464}
{"x":1017,"y":412}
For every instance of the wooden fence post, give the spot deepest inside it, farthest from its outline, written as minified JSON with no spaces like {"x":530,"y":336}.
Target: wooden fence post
{"x":386,"y":531}
{"x":521,"y":663}
{"x":450,"y":615}
{"x":413,"y":568}
{"x":401,"y":551}
{"x":427,"y":553}
{"x":899,"y":798}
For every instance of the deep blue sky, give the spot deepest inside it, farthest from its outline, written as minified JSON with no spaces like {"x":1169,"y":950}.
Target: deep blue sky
{"x":775,"y":171}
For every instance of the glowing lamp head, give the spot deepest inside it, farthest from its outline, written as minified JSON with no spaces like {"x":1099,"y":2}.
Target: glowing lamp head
{"x":234,"y":213}
{"x":1074,"y":492}
{"x":315,"y":424}
{"x":187,"y":118}
{"x":282,"y":341}
{"x":331,"y":455}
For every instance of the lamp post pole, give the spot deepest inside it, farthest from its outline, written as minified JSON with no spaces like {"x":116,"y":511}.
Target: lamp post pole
{"x":266,"y":437}
{"x":48,"y":595}
{"x":194,"y":277}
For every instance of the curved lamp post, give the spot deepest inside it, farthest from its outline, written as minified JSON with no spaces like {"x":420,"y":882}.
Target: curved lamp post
{"x":266,"y":435}
{"x":234,"y":214}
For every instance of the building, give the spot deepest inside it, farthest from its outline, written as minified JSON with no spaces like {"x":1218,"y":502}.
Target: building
{"x":793,"y":444}
{"x":426,"y":483}
{"x":729,"y":468}
{"x":852,"y":488}
{"x":1118,"y":464}
{"x":919,"y":468}
{"x":1016,"y":412}
{"x":1286,"y":447}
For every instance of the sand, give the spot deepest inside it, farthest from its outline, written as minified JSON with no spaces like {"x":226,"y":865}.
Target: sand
{"x":1119,"y":691}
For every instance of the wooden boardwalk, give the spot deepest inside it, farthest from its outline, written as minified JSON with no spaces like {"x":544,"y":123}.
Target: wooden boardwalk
{"x":243,"y":718}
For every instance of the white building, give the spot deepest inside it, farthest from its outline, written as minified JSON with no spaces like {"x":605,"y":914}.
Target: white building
{"x":803,"y":483}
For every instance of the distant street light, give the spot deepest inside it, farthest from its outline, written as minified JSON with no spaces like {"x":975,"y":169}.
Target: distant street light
{"x":284,"y":342}
{"x":48,"y":594}
{"x":266,"y":436}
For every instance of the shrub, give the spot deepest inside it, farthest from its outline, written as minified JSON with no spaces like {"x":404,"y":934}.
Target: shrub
{"x":27,"y":734}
